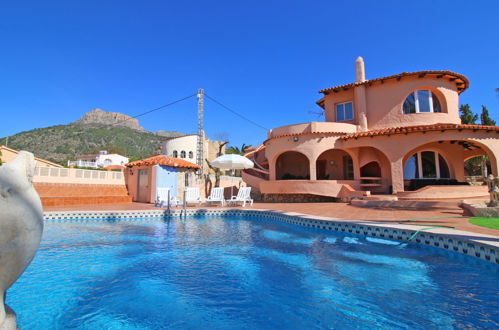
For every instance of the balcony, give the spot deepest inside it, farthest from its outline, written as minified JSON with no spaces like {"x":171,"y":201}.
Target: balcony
{"x":312,"y":127}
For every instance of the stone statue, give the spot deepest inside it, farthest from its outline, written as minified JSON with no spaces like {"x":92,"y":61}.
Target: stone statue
{"x":21,"y":225}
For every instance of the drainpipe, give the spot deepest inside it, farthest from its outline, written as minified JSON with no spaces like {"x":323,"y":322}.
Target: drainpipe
{"x":360,"y":94}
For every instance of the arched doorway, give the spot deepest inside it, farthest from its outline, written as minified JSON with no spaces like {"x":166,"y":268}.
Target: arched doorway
{"x":334,"y":164}
{"x":292,"y":165}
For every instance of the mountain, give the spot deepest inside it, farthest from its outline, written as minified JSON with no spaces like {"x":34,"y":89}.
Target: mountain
{"x":98,"y":116}
{"x":96,"y":130}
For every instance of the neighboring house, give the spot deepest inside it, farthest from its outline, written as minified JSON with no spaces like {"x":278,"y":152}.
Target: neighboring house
{"x":158,"y":171}
{"x":392,"y":134}
{"x":100,"y":160}
{"x":185,"y":147}
{"x":7,"y":154}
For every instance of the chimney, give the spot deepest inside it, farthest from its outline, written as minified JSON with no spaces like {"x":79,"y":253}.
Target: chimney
{"x":360,"y":73}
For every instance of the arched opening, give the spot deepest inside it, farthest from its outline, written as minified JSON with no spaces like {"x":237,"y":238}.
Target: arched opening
{"x":477,"y":166}
{"x":334,"y":164}
{"x":292,"y":165}
{"x":371,"y":170}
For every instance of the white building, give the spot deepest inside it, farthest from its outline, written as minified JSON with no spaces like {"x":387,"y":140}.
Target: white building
{"x":100,"y":160}
{"x":185,"y":147}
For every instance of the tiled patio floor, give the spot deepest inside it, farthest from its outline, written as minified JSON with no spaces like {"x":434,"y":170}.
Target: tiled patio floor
{"x":450,"y":215}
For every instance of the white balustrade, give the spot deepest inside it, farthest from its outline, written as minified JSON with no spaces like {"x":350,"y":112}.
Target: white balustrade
{"x":74,"y":175}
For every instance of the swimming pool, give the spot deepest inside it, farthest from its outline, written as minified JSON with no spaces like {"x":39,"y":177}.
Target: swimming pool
{"x":241,"y":272}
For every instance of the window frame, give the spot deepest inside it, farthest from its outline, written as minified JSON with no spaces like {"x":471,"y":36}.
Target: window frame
{"x":416,"y":102}
{"x":343,"y":104}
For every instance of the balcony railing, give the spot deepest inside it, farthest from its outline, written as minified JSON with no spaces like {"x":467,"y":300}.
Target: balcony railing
{"x":82,"y":163}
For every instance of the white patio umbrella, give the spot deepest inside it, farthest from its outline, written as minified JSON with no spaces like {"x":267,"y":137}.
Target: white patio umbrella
{"x":232,"y":162}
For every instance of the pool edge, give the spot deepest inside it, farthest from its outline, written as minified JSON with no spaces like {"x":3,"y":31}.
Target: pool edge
{"x":485,"y":247}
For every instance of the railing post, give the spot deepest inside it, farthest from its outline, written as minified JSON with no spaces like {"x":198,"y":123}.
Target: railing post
{"x":185,"y":204}
{"x":168,"y":204}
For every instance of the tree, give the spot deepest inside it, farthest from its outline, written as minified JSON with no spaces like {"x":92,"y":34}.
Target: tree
{"x":216,"y":170}
{"x":236,"y":150}
{"x":467,"y":116}
{"x":485,"y":118}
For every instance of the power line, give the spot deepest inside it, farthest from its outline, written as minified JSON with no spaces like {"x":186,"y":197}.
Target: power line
{"x":156,"y":109}
{"x":235,"y":112}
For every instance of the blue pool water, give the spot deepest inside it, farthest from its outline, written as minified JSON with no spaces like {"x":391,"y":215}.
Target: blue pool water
{"x":243,"y":273}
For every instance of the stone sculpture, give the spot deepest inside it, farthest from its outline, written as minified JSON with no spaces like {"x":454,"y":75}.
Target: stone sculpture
{"x":21,"y":225}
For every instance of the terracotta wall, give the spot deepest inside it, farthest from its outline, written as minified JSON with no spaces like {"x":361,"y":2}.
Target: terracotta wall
{"x":56,"y":194}
{"x":384,"y":103}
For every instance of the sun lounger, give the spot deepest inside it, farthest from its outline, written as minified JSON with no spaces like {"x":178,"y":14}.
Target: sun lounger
{"x":243,"y":196}
{"x":217,"y":195}
{"x":162,"y":197}
{"x":192,"y":195}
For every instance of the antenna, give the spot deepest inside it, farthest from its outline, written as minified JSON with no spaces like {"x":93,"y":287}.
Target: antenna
{"x":200,"y":142}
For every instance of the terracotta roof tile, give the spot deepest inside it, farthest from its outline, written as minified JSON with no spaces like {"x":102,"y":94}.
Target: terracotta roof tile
{"x":419,"y":128}
{"x":163,"y":160}
{"x":461,"y":81}
{"x":114,"y":167}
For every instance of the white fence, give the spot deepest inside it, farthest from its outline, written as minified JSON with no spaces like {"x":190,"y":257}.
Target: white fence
{"x":82,"y":163}
{"x":73,"y":175}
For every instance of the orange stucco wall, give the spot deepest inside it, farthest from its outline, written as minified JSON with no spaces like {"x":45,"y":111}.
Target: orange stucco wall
{"x":384,"y":101}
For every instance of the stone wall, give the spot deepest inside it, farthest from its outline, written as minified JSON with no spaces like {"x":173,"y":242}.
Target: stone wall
{"x":297,"y":198}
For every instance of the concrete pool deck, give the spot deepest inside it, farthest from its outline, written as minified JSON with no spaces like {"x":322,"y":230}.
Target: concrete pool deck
{"x":447,"y":215}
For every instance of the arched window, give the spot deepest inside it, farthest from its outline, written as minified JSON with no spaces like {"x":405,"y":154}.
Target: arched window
{"x":175,"y":153}
{"x":182,"y":154}
{"x":426,"y":165}
{"x":422,"y":101}
{"x":191,"y":155}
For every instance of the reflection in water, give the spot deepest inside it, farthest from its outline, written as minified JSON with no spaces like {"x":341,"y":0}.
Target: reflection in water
{"x":235,"y":273}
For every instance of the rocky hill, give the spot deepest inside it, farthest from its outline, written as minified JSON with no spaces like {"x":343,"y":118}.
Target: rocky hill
{"x":98,"y":116}
{"x":96,"y":130}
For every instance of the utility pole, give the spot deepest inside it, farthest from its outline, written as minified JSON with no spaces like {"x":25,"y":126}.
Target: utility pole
{"x":200,"y":141}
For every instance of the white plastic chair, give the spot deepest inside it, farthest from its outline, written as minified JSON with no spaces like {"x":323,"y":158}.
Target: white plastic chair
{"x":243,"y":196}
{"x":162,"y":197}
{"x":217,"y":195}
{"x":192,"y":195}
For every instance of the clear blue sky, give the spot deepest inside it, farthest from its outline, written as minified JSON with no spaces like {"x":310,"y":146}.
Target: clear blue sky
{"x":265,"y":59}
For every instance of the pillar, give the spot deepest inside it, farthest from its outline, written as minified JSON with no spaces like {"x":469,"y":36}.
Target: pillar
{"x":397,"y":171}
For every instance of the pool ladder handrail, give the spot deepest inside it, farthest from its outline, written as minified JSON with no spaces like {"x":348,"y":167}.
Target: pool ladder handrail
{"x":183,"y":212}
{"x":168,"y":211}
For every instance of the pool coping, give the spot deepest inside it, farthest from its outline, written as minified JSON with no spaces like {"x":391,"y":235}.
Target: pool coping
{"x":485,"y":247}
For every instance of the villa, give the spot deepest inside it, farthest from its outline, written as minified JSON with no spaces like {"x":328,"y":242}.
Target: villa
{"x":101,"y":160}
{"x":399,"y":135}
{"x":186,"y":146}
